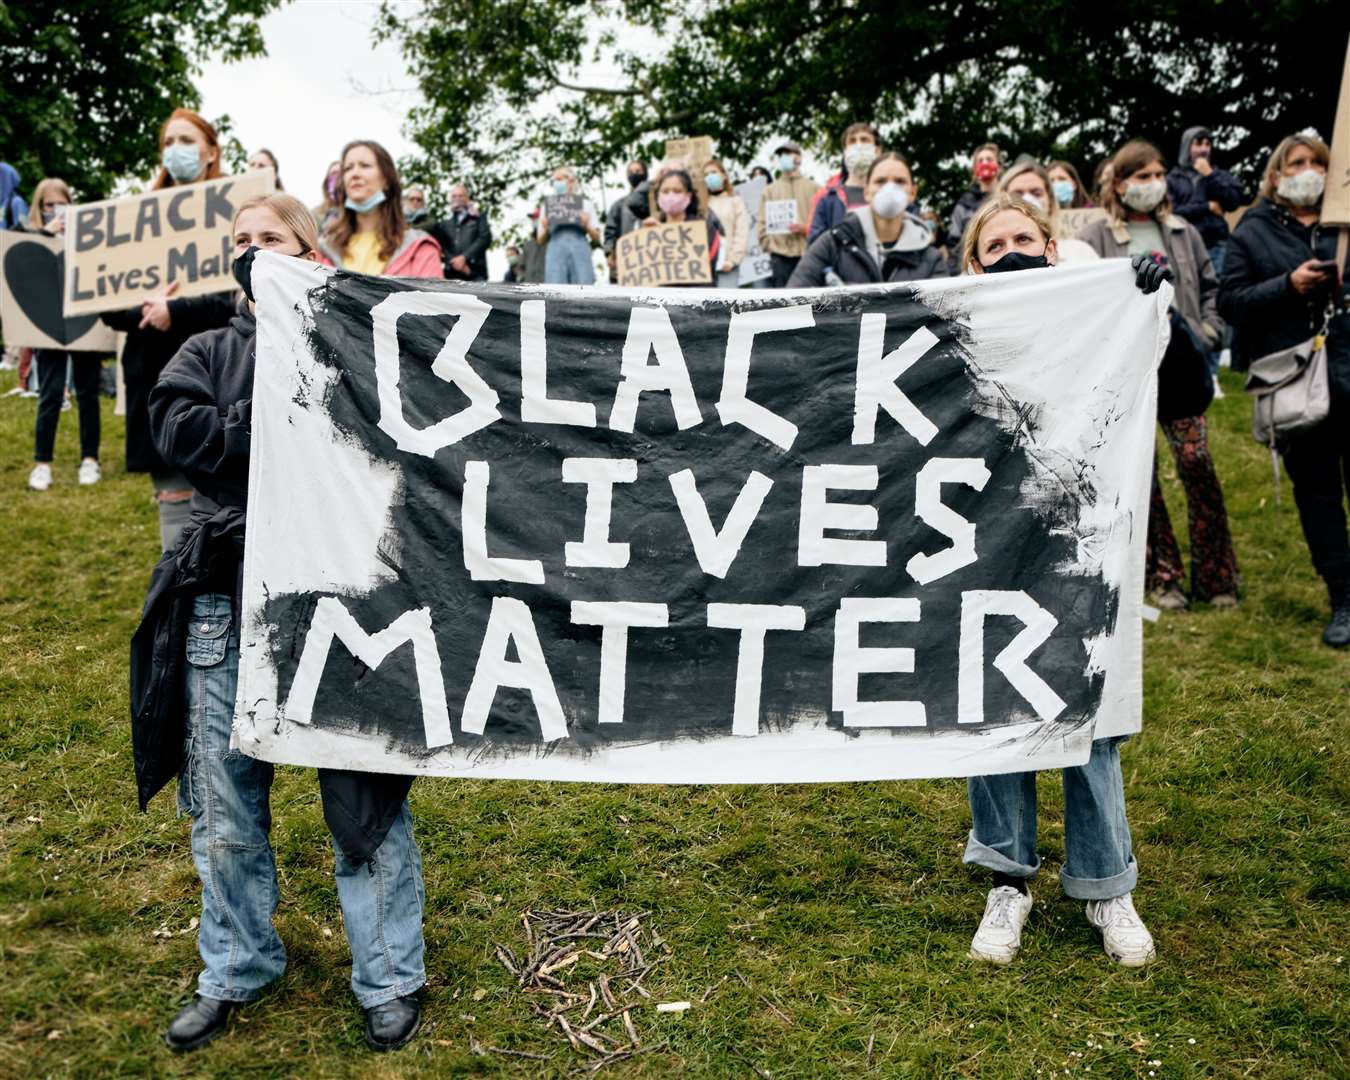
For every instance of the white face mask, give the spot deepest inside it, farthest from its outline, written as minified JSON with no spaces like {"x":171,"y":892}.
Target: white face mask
{"x":890,"y":201}
{"x":860,"y":156}
{"x":1303,"y":188}
{"x":1034,"y":200}
{"x":1144,"y":197}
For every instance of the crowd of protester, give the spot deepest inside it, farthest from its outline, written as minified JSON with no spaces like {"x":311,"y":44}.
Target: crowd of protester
{"x":1269,"y":284}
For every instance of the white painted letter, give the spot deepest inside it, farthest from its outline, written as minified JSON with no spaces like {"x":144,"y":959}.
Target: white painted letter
{"x":536,"y":407}
{"x":510,"y":621}
{"x":852,"y":660}
{"x":1037,"y":625}
{"x":616,"y":618}
{"x":599,"y":475}
{"x":875,"y":387}
{"x":649,"y":329}
{"x":332,"y":620}
{"x":473,"y":521}
{"x":451,"y":364}
{"x":734,"y":406}
{"x":813,"y":547}
{"x":928,"y":507}
{"x":753,"y":621}
{"x":717,"y":551}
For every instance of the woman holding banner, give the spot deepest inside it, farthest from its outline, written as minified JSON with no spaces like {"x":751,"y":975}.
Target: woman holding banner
{"x":370,"y":235}
{"x":190,"y":153}
{"x":1139,"y":221}
{"x":878,"y":241}
{"x":1008,"y":233}
{"x":185,"y":668}
{"x":51,"y":201}
{"x":1281,"y":288}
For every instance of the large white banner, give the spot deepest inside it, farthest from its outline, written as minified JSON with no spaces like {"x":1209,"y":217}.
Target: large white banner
{"x":697,"y":535}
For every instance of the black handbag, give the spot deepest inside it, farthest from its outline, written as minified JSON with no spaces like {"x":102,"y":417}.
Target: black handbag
{"x":1185,"y":386}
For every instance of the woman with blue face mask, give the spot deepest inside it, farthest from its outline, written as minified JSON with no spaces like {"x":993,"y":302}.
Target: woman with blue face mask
{"x":189,"y":154}
{"x":568,"y":259}
{"x":1067,"y":186}
{"x":734,"y":217}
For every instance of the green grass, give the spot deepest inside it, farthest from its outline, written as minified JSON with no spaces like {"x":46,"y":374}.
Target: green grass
{"x":846,"y":906}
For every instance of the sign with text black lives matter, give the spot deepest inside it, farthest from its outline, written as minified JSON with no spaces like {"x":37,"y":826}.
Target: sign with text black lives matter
{"x":120,"y":252}
{"x":581,"y":534}
{"x":564,"y":209}
{"x":664,"y":255}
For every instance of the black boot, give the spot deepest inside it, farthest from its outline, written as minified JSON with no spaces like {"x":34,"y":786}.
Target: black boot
{"x":198,"y":1023}
{"x":1337,"y":633}
{"x":393,"y":1024}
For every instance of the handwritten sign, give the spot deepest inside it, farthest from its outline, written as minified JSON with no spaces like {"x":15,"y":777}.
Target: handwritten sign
{"x":563,"y":210}
{"x":1336,"y":200}
{"x":756,"y":266}
{"x":33,"y":266}
{"x":120,"y":252}
{"x":1072,"y":222}
{"x":779,"y":216}
{"x":664,"y":255}
{"x":695,"y":152}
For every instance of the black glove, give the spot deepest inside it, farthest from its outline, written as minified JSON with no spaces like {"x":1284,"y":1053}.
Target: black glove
{"x":243,"y":271}
{"x":1148,"y":274}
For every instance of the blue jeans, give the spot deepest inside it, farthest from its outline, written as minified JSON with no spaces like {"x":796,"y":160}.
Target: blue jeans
{"x":1098,"y":861}
{"x":568,"y":258}
{"x":227,"y":795}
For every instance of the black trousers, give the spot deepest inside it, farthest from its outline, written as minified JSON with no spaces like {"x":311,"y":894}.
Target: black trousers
{"x":1318,"y":463}
{"x":51,"y":371}
{"x":783,"y":265}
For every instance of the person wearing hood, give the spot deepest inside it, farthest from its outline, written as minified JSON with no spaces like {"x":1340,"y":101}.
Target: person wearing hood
{"x":1202,"y":193}
{"x":878,"y":241}
{"x":1010,"y":234}
{"x":986,"y":165}
{"x":13,"y":210}
{"x":1281,"y":286}
{"x":1027,"y":179}
{"x":370,"y":235}
{"x":184,"y":673}
{"x":846,"y":188}
{"x":465,"y":237}
{"x":620,"y":219}
{"x":155,"y":330}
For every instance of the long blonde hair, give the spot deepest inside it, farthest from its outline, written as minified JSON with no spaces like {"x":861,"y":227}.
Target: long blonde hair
{"x":996,"y":204}
{"x":292,"y":212}
{"x":1275,"y":165}
{"x":1030,"y":165}
{"x":45,"y":187}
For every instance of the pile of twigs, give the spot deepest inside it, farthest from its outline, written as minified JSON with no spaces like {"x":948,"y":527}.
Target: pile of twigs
{"x":614,"y":950}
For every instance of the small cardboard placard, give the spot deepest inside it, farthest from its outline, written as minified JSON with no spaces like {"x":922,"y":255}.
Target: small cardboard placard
{"x":1336,"y":200}
{"x":779,"y":216}
{"x":120,"y":252}
{"x":563,"y":210}
{"x":32,"y":269}
{"x":1073,"y":221}
{"x":695,"y":151}
{"x":664,"y":255}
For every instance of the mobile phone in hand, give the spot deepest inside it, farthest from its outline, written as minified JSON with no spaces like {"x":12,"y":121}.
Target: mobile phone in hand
{"x":1324,"y":266}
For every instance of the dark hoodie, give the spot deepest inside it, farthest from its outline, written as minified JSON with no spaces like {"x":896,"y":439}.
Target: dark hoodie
{"x":1192,"y":193}
{"x":13,"y":210}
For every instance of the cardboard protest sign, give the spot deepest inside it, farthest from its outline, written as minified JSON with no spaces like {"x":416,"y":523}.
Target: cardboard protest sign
{"x":756,"y":266}
{"x":1073,"y":221}
{"x":779,"y":216}
{"x":1336,"y":198}
{"x":664,"y":255}
{"x":32,"y":269}
{"x":120,"y":252}
{"x":840,"y":534}
{"x":694,"y":152}
{"x":564,"y":209}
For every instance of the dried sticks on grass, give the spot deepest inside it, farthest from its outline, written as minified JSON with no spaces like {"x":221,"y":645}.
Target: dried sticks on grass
{"x":585,"y":970}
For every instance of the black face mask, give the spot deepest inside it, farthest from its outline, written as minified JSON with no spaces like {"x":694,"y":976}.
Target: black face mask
{"x":1015,"y":260}
{"x":635,"y":178}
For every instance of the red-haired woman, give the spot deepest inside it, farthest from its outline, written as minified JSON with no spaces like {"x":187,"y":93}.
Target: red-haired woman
{"x":371,"y":235}
{"x":189,"y":153}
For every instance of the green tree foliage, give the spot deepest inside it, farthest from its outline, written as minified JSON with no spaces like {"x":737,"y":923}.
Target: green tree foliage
{"x":87,"y":83}
{"x":505,"y":102}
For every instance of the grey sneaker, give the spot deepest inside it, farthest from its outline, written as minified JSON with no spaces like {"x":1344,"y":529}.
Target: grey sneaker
{"x":1124,"y":936}
{"x":1000,"y":933}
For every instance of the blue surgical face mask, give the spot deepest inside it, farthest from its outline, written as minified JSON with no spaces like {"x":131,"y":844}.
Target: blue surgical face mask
{"x":559,"y":187}
{"x":714,"y":181}
{"x":787,"y":162}
{"x":365,"y":205}
{"x":1064,"y":191}
{"x":183,"y":162}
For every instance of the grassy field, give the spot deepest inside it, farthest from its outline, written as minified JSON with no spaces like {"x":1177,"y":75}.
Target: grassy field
{"x":844,"y":909}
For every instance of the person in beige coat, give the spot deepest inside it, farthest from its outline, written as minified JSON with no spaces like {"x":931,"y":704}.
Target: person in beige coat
{"x":786,"y":249}
{"x":731,"y":211}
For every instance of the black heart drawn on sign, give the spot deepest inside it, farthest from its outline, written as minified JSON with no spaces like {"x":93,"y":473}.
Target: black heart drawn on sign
{"x":698,"y":250}
{"x":35,"y":276}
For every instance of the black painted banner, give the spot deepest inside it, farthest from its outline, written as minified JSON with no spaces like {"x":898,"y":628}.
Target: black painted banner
{"x":710,"y":536}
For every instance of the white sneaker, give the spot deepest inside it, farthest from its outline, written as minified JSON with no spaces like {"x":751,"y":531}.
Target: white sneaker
{"x":1000,"y":933}
{"x":90,"y":473}
{"x":40,"y":479}
{"x":1124,"y":936}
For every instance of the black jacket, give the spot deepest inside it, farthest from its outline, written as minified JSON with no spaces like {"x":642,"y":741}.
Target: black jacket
{"x":144,"y":356}
{"x":1256,"y":298}
{"x":471,"y":237}
{"x":201,"y":417}
{"x":844,"y":250}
